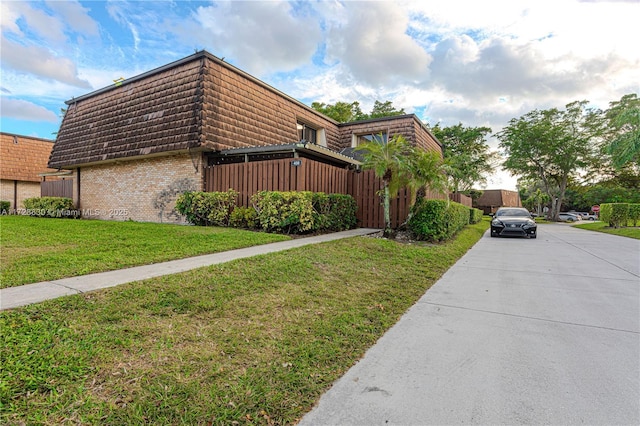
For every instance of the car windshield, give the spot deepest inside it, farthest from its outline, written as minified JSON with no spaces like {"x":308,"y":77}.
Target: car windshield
{"x":513,"y":212}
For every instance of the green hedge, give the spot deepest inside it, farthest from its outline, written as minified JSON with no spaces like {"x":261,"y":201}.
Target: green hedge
{"x":300,"y":212}
{"x":616,"y":214}
{"x":341,"y":213}
{"x":634,"y":213}
{"x":5,"y":206}
{"x":475,"y":215}
{"x":207,"y":208}
{"x":272,"y":211}
{"x":50,"y":207}
{"x":244,"y":217}
{"x":437,"y":220}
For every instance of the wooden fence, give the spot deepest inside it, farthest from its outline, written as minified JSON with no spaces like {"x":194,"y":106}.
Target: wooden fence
{"x":461,"y":198}
{"x":57,"y":188}
{"x":310,"y":175}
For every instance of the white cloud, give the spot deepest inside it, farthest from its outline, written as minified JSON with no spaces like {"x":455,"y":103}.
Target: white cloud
{"x":24,"y":110}
{"x":75,"y":16}
{"x":261,"y":37}
{"x":40,"y":63}
{"x":370,"y":41}
{"x":35,"y":20}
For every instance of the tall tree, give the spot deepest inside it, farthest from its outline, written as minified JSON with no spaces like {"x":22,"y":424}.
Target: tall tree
{"x":467,"y":155}
{"x":342,"y":112}
{"x":623,"y":131}
{"x":389,"y":161}
{"x":553,"y":146}
{"x":385,"y":109}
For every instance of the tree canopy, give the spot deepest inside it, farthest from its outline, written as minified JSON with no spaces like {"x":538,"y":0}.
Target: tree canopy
{"x":552,"y":146}
{"x":467,"y":155}
{"x":344,"y":112}
{"x":623,"y":131}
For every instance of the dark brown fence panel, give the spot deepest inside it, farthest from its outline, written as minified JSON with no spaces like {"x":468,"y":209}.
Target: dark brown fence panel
{"x":57,"y":188}
{"x":461,"y":198}
{"x":309,"y":175}
{"x":276,"y":175}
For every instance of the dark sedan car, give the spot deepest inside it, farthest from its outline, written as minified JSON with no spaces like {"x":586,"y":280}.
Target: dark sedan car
{"x":513,"y":222}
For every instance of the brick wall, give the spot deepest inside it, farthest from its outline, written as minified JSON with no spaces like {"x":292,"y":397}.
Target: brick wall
{"x":24,"y":190}
{"x":142,"y":190}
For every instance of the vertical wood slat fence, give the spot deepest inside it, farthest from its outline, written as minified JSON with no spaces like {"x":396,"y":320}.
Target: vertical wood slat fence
{"x":310,"y":175}
{"x":57,"y":188}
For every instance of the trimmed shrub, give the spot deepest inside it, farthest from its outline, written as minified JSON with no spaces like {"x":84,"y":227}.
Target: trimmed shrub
{"x":437,"y":220}
{"x":207,"y":208}
{"x":301,"y":212}
{"x":288,"y":212}
{"x":617,"y":214}
{"x":5,"y":206}
{"x":244,"y":217}
{"x":634,"y":213}
{"x":342,"y":212}
{"x":50,"y":207}
{"x":475,"y":215}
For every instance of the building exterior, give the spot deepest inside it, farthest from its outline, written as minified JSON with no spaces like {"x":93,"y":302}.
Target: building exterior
{"x":492,"y":199}
{"x":22,"y":160}
{"x":134,"y":146}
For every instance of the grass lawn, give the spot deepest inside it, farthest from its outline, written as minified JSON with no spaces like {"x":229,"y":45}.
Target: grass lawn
{"x":253,"y":341}
{"x":630,"y":231}
{"x":40,"y":249}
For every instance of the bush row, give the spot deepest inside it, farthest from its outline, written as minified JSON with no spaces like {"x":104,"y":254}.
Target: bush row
{"x":273,"y":211}
{"x":476,"y":215}
{"x":439,"y":220}
{"x":50,"y":207}
{"x":619,"y":214}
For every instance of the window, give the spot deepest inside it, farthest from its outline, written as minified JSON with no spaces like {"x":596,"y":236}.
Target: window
{"x":380,"y":137}
{"x":307,"y":133}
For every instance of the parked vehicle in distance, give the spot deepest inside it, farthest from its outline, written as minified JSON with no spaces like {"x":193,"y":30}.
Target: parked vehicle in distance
{"x":587,"y":216}
{"x":513,"y":222}
{"x":569,"y":217}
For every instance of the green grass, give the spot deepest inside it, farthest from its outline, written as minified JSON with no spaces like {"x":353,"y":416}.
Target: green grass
{"x":253,"y":341}
{"x":41,"y":249}
{"x":630,"y":231}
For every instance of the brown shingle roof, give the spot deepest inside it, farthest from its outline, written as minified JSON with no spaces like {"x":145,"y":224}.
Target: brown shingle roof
{"x":197,"y":102}
{"x":145,"y":116}
{"x":22,"y":158}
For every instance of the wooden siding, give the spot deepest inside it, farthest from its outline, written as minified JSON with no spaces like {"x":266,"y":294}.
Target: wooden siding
{"x":239,"y":112}
{"x":408,"y":126}
{"x":159,"y":113}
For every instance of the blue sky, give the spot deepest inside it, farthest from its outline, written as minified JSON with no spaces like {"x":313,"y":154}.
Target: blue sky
{"x":480,"y":63}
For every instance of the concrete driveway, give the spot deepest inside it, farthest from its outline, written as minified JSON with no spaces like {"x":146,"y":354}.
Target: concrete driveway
{"x":543,"y":331}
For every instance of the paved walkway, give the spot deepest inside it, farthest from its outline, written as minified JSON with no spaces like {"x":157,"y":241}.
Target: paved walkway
{"x":14,"y":297}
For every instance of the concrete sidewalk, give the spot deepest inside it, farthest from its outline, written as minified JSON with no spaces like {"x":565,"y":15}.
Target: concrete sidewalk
{"x":14,"y":297}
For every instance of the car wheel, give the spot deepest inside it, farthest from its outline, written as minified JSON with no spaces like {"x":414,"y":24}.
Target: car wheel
{"x":534,"y":236}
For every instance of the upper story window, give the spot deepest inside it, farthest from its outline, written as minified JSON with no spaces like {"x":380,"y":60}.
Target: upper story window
{"x":307,"y":133}
{"x":380,"y":137}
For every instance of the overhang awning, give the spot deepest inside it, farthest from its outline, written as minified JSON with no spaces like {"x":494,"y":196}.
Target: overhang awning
{"x":309,"y":149}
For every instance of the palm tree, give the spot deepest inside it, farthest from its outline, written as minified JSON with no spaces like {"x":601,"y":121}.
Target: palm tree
{"x":426,"y":169}
{"x":389,"y":161}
